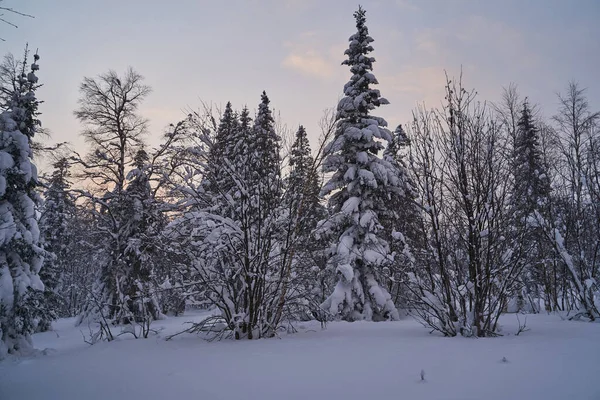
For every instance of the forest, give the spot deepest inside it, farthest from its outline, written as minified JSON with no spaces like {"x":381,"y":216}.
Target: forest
{"x":468,"y":211}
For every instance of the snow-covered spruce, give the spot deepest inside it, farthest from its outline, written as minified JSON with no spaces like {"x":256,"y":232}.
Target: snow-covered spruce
{"x":401,"y":222}
{"x":530,"y":198}
{"x":231,"y":232}
{"x":302,"y":211}
{"x":303,"y":185}
{"x":57,"y":214}
{"x":359,"y":189}
{"x":143,"y":221}
{"x":21,"y":254}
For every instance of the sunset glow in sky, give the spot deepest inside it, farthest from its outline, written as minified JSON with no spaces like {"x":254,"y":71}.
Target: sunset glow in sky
{"x":218,"y":51}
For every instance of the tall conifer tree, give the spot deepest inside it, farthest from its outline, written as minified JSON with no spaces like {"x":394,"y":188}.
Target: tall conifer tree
{"x":55,"y":224}
{"x":359,"y":190}
{"x":530,"y":201}
{"x":21,"y":254}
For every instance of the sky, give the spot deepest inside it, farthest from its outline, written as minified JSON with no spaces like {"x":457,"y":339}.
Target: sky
{"x":194,"y":51}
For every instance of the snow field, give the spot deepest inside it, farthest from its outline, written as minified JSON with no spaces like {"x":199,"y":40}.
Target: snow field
{"x":363,"y":360}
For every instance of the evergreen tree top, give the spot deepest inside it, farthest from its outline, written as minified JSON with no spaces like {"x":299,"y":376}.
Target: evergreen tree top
{"x":266,"y":138}
{"x":526,"y":112}
{"x":300,"y":152}
{"x":228,"y":118}
{"x":23,"y":104}
{"x":140,"y":159}
{"x":264,"y":117}
{"x":399,"y":141}
{"x":225,"y":135}
{"x":264,"y":98}
{"x":301,"y":140}
{"x":360,"y":98}
{"x":20,"y":123}
{"x":245,"y":118}
{"x":532,"y":184}
{"x":527,"y":132}
{"x":59,"y":176}
{"x":359,"y":43}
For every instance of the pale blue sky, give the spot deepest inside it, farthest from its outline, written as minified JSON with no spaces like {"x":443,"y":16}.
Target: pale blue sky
{"x":217,"y":51}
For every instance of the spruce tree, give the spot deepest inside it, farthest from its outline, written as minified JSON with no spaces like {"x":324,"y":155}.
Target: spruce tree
{"x":263,"y":151}
{"x":300,"y":163}
{"x":21,"y":254}
{"x":261,"y":208}
{"x":532,"y":183}
{"x":142,"y":226}
{"x":235,"y":223}
{"x":218,"y":175}
{"x":401,"y":221}
{"x":305,"y":210}
{"x":303,"y":185}
{"x":57,"y":231}
{"x":530,"y":201}
{"x":359,"y":190}
{"x":238,"y":146}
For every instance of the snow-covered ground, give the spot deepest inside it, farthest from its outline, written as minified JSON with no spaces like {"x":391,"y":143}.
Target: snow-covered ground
{"x":554,"y":360}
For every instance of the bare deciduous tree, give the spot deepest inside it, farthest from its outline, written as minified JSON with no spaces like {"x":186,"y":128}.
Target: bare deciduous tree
{"x":574,"y":226}
{"x":108,"y":108}
{"x":462,"y":284}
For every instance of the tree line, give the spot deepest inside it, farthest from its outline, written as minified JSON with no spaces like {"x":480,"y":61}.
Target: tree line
{"x":467,"y":211}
